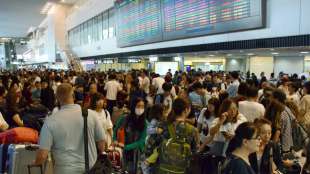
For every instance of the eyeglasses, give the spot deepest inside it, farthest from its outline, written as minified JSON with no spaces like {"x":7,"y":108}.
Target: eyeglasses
{"x":256,"y":138}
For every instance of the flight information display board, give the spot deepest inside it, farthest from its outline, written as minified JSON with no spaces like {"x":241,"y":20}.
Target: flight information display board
{"x":147,"y":21}
{"x":138,"y":22}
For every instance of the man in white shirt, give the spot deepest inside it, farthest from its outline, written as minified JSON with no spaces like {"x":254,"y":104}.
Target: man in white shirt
{"x":158,"y":82}
{"x":250,"y":108}
{"x":112,"y":87}
{"x":144,"y":81}
{"x":62,"y":135}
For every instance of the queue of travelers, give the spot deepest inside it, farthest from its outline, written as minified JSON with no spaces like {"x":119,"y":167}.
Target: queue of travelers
{"x":258,"y":125}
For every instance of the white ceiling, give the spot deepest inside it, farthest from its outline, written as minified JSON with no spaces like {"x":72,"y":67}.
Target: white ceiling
{"x":17,"y":16}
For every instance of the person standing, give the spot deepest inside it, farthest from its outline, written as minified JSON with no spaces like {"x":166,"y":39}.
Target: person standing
{"x":232,"y":89}
{"x":250,"y":108}
{"x":144,"y":81}
{"x":62,"y":135}
{"x":112,"y":87}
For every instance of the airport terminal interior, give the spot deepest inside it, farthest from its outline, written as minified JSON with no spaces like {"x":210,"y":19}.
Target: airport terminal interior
{"x":155,"y":86}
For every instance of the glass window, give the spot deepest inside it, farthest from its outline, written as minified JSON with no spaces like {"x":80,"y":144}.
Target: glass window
{"x":78,"y":36}
{"x":74,"y":40}
{"x":95,"y":29}
{"x":89,"y":31}
{"x":70,"y":38}
{"x":112,"y":31}
{"x":85,"y":33}
{"x":100,"y":26}
{"x":81,"y":34}
{"x":105,"y":25}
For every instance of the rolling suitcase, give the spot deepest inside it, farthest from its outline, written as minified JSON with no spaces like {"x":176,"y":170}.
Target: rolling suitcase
{"x":3,"y":157}
{"x":115,"y":156}
{"x":19,"y":156}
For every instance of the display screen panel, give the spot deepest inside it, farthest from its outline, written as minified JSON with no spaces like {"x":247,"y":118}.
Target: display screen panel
{"x":138,"y":22}
{"x":147,"y":21}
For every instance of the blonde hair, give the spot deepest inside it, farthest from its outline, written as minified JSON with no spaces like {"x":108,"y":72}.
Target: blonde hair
{"x":64,"y":92}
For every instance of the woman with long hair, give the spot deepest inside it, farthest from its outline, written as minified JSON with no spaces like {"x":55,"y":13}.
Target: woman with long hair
{"x":281,"y":117}
{"x":245,"y":142}
{"x":133,"y":128}
{"x":99,"y":104}
{"x":13,"y":110}
{"x":223,"y":127}
{"x":206,"y":117}
{"x":304,"y":117}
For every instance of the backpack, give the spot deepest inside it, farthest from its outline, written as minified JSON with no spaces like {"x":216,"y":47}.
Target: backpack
{"x":299,"y":135}
{"x":175,"y":153}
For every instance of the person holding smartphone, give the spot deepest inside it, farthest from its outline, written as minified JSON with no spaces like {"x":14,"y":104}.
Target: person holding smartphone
{"x":223,"y":127}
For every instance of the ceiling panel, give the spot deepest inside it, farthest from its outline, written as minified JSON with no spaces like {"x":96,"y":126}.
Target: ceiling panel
{"x":17,"y":16}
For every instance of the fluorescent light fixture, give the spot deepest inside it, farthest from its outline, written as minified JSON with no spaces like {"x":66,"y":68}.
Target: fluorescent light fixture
{"x":19,"y":56}
{"x":229,"y":54}
{"x":133,"y":60}
{"x":304,"y":52}
{"x":251,"y":54}
{"x":47,"y":7}
{"x":234,"y":61}
{"x":274,"y":53}
{"x":211,"y":55}
{"x":153,"y":58}
{"x":177,"y":59}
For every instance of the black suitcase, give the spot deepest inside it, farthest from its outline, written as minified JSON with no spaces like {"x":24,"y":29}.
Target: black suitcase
{"x":206,"y":163}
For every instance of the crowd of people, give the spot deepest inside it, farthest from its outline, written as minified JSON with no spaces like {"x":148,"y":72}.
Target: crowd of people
{"x":160,"y":122}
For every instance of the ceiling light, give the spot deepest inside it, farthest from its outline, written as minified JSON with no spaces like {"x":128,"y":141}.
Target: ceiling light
{"x":177,"y":59}
{"x":304,"y":52}
{"x":153,"y":58}
{"x":271,"y":49}
{"x":211,"y":55}
{"x":229,"y":54}
{"x":274,"y":53}
{"x":251,"y":54}
{"x":47,"y":7}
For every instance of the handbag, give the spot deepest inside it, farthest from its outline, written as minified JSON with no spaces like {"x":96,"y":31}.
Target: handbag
{"x":103,"y":165}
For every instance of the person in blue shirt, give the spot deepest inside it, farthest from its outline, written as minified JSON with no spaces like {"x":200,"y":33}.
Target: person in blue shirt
{"x":232,"y":89}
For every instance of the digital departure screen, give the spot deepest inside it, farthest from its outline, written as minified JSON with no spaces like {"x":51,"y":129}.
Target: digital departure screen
{"x":138,"y":22}
{"x":147,"y":21}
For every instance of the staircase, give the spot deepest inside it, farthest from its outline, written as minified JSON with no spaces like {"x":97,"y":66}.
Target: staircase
{"x":73,"y":62}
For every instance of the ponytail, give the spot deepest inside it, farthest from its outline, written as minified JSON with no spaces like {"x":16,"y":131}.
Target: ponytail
{"x":244,"y":131}
{"x":234,"y":143}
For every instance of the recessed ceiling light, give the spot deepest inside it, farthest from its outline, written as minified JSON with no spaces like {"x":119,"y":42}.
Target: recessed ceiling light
{"x":275,"y":53}
{"x":304,"y":52}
